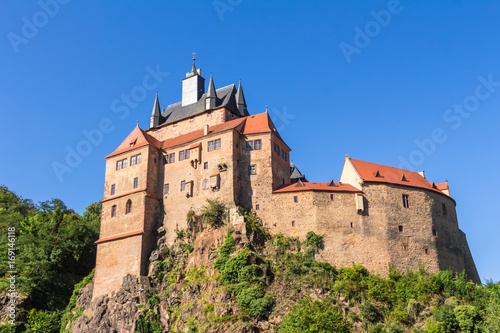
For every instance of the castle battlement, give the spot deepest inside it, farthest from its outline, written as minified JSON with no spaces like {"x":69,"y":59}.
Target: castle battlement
{"x":208,"y":146}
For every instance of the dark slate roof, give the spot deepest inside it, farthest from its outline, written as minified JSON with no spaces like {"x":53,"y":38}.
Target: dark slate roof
{"x":226,"y":96}
{"x":295,"y":174}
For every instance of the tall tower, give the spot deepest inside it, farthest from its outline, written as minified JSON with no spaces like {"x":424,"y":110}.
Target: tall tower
{"x":128,"y":211}
{"x":193,"y":86}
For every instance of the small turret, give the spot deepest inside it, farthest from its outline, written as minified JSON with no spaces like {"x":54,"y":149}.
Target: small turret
{"x":240,"y":100}
{"x":211,"y":98}
{"x":155,"y":114}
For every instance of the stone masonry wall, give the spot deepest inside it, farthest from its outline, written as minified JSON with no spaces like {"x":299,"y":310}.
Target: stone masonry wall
{"x":175,"y":205}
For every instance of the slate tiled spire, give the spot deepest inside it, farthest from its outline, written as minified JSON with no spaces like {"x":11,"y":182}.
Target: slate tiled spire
{"x":155,"y":114}
{"x":240,"y":100}
{"x":211,"y":98}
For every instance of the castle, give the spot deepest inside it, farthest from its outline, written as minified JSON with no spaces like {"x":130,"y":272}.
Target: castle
{"x":208,"y":146}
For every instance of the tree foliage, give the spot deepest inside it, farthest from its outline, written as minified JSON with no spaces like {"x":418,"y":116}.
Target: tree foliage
{"x":54,"y":250}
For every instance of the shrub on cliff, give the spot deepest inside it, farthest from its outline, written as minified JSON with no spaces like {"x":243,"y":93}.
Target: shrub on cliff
{"x":314,"y":317}
{"x":214,"y":213}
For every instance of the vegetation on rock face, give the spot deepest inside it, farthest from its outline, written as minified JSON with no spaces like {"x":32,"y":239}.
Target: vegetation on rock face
{"x":214,"y":213}
{"x":54,"y":250}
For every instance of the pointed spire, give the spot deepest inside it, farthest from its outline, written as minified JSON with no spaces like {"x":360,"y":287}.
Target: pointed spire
{"x":240,"y":100}
{"x":211,"y":88}
{"x":266,"y":108}
{"x":156,"y":113}
{"x":211,"y":97}
{"x":137,"y":123}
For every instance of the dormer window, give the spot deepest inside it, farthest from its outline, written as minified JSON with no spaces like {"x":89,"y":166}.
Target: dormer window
{"x":133,"y":143}
{"x":404,"y":179}
{"x":378,"y":175}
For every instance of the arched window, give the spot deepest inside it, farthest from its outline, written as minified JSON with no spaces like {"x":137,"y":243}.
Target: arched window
{"x":128,"y":207}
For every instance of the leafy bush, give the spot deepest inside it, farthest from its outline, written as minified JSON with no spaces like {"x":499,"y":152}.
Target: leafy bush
{"x":40,"y":321}
{"x":261,"y":308}
{"x":313,"y":240}
{"x":314,"y":316}
{"x":230,"y":272}
{"x":369,"y":312}
{"x":214,"y":213}
{"x":225,"y":251}
{"x":246,"y":296}
{"x":466,"y":316}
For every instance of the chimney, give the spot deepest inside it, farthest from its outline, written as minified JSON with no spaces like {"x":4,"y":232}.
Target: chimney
{"x":205,"y":130}
{"x":422,"y":173}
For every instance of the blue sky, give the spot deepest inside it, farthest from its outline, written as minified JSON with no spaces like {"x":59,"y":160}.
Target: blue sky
{"x":382,"y":81}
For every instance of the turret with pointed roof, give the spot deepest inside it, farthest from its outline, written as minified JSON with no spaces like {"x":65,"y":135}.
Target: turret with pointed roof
{"x":155,"y":114}
{"x":211,"y":97}
{"x":240,"y":100}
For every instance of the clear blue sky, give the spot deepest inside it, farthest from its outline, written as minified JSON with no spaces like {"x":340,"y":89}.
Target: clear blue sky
{"x":331,"y":89}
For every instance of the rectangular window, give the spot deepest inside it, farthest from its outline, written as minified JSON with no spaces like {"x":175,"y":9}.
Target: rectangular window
{"x":217,"y":144}
{"x":210,"y":145}
{"x":295,"y":199}
{"x":113,"y":211}
{"x":257,"y":145}
{"x":406,"y":201}
{"x":251,"y":192}
{"x":138,"y":159}
{"x":118,"y":165}
{"x":331,"y":196}
{"x":445,"y":210}
{"x":434,"y":232}
{"x":132,"y":160}
{"x":112,"y":189}
{"x":183,"y":185}
{"x":293,"y":223}
{"x":205,"y":165}
{"x":249,"y":145}
{"x":400,"y":228}
{"x":124,"y":163}
{"x":188,"y":154}
{"x":171,"y":158}
{"x":166,"y":189}
{"x":181,"y":155}
{"x":257,"y":207}
{"x":286,"y":157}
{"x":191,"y":119}
{"x":136,"y":182}
{"x":205,"y":184}
{"x":252,"y":170}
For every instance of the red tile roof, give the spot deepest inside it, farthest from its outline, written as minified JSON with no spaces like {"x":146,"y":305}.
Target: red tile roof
{"x":369,"y":172}
{"x":139,"y":138}
{"x":324,"y":186}
{"x":443,"y":186}
{"x":260,"y":123}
